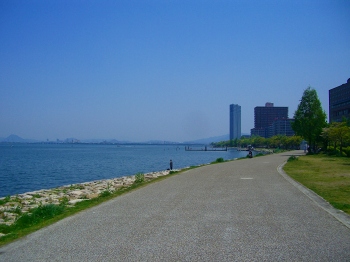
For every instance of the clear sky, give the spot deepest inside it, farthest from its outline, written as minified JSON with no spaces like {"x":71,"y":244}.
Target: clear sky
{"x":166,"y":70}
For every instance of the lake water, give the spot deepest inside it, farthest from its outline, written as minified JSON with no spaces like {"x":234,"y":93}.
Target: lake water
{"x":29,"y":167}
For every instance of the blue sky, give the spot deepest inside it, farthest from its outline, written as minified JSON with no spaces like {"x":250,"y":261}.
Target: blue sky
{"x":167,"y":70}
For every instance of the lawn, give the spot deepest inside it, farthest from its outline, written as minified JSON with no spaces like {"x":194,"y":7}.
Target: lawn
{"x":328,"y":176}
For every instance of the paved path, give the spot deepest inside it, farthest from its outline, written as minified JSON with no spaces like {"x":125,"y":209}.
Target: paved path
{"x":236,"y":211}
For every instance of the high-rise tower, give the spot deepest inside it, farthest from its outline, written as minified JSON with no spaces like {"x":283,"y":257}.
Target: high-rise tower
{"x":339,"y":102}
{"x":266,"y":116}
{"x":235,"y":121}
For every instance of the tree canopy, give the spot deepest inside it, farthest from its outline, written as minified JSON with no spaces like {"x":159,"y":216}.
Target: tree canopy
{"x":338,"y":133}
{"x":309,"y":118}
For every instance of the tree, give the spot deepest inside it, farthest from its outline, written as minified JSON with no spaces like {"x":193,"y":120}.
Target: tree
{"x":309,"y":118}
{"x":337,"y":132}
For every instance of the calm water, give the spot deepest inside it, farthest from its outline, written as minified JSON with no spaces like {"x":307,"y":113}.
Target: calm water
{"x":29,"y":167}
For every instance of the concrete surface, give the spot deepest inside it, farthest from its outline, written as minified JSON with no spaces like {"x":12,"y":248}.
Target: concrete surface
{"x":243,"y":210}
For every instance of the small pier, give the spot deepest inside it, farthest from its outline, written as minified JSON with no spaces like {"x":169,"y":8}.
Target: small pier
{"x":187,"y":148}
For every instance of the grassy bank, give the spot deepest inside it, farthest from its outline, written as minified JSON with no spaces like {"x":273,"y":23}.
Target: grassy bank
{"x":46,"y":215}
{"x":327,"y":176}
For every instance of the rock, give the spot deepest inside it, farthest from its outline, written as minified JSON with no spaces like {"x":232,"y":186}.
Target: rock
{"x":74,"y":201}
{"x":89,"y":190}
{"x":76,"y":193}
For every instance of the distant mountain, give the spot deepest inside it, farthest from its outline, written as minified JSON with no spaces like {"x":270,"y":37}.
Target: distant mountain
{"x":160,"y":142}
{"x":104,"y":141}
{"x":16,"y":139}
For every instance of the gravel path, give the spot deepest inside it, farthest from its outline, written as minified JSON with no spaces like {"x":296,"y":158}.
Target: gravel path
{"x":235,"y":211}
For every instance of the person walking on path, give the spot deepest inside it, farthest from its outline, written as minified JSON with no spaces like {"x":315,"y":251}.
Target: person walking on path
{"x":171,"y":164}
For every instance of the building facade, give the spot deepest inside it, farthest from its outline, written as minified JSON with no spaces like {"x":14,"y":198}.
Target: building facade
{"x":235,"y":121}
{"x":281,"y":127}
{"x":339,"y":102}
{"x":270,"y":121}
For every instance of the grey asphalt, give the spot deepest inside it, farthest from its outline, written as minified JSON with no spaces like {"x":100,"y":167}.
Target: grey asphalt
{"x":242,"y":210}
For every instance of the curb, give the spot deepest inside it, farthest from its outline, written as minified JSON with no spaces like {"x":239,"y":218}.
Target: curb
{"x":321,"y":202}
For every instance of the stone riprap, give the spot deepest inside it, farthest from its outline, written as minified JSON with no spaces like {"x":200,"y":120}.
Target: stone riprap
{"x":14,"y":206}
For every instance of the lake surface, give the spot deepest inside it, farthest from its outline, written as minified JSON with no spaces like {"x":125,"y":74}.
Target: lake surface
{"x":29,"y":167}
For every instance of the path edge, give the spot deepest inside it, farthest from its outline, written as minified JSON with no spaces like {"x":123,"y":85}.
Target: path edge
{"x":321,"y":202}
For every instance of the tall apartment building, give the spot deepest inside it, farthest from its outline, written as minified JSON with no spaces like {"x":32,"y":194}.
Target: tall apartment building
{"x":266,"y":121}
{"x":235,"y":122}
{"x":339,"y":102}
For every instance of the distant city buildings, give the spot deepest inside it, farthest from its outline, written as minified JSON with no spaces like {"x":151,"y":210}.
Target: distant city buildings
{"x":235,"y":121}
{"x":339,"y":102}
{"x":270,"y":121}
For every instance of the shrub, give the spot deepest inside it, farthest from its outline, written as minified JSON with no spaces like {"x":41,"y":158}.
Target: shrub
{"x":218,"y":160}
{"x":105,"y":193}
{"x":346,"y":150}
{"x":139,"y":178}
{"x":292,"y":158}
{"x":39,"y":214}
{"x":64,"y":201}
{"x":332,"y":151}
{"x":18,"y":210}
{"x":5,"y":200}
{"x":5,"y":229}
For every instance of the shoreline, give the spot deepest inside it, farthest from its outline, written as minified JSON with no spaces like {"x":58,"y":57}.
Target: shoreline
{"x":16,"y":205}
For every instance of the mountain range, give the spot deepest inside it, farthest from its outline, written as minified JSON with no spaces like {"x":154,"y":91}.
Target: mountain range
{"x":17,"y":139}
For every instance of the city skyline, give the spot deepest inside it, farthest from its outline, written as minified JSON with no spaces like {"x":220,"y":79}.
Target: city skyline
{"x":160,"y":70}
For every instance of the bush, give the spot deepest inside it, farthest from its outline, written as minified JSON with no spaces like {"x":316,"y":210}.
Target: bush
{"x":346,"y":150}
{"x":5,"y":229}
{"x":331,"y":150}
{"x":5,"y":200}
{"x":105,"y":193}
{"x":39,"y":214}
{"x":139,"y":178}
{"x":292,"y":158}
{"x":64,"y":201}
{"x":219,"y":160}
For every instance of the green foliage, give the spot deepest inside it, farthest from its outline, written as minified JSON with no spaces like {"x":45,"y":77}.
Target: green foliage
{"x":5,"y":229}
{"x":64,"y":201}
{"x":325,"y":175}
{"x":338,"y":135}
{"x":18,"y":210}
{"x":46,"y":215}
{"x":76,"y":187}
{"x":346,"y":150}
{"x":38,"y":214}
{"x":286,"y":142}
{"x":36,"y":195}
{"x":5,"y":200}
{"x":139,"y":178}
{"x":292,"y":158}
{"x":105,"y":193}
{"x":309,"y":118}
{"x":218,"y":160}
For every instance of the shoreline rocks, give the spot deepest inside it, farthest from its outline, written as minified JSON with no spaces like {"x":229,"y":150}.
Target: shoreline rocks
{"x":11,"y":207}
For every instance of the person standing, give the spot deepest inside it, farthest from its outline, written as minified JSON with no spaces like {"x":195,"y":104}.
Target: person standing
{"x":171,"y":164}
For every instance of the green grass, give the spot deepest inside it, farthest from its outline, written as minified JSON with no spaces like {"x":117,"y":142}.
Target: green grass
{"x":218,"y":160}
{"x":48,"y":214}
{"x":327,"y":176}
